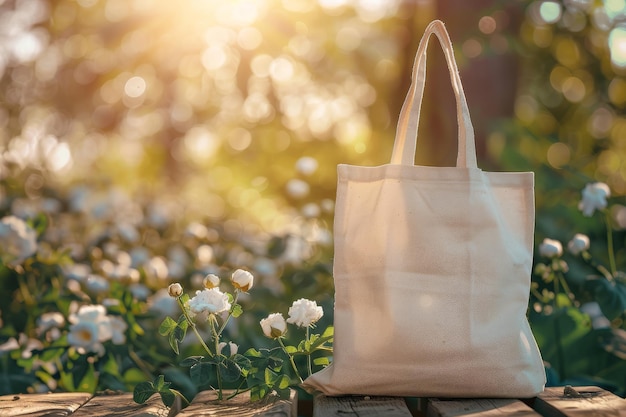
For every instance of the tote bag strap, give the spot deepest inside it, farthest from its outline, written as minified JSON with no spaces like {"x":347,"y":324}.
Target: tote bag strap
{"x":406,"y":133}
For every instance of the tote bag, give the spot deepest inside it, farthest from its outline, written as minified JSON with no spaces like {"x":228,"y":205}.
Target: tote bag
{"x":432,"y":270}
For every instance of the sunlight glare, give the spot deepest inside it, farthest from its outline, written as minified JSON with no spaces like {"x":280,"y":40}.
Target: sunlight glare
{"x":332,"y":4}
{"x":249,"y":38}
{"x":239,"y":13}
{"x":282,"y":69}
{"x":617,"y":46}
{"x":59,"y":157}
{"x":214,"y":57}
{"x":135,"y":87}
{"x":550,"y":11}
{"x":614,"y":8}
{"x":200,"y":144}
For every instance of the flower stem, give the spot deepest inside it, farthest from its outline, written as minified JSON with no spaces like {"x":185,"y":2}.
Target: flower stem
{"x":308,"y":357}
{"x":293,"y":363}
{"x":216,"y":337}
{"x":193,"y":327}
{"x":230,"y":313}
{"x":556,"y":281}
{"x":609,"y":241}
{"x":600,"y":268}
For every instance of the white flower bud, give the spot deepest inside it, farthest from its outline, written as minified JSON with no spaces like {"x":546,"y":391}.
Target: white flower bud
{"x":175,"y":290}
{"x":274,"y":326}
{"x":551,"y":248}
{"x":242,"y":280}
{"x":594,"y":198}
{"x":578,"y":244}
{"x":211,"y":281}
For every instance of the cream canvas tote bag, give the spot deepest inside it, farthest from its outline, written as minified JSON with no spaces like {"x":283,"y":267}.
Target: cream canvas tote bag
{"x":432,"y":270}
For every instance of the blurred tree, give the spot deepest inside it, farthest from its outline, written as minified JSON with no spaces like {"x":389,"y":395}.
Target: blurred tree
{"x":239,"y":108}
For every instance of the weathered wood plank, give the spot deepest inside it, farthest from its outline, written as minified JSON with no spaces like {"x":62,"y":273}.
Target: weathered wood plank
{"x":359,"y":406}
{"x":123,"y":405}
{"x":42,"y":405}
{"x":206,"y":404}
{"x":579,"y":402}
{"x":478,"y":408}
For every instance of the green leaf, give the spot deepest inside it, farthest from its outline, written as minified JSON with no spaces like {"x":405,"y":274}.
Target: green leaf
{"x":323,"y":361}
{"x":143,"y":391}
{"x":201,"y":373}
{"x":562,"y":300}
{"x":271,"y":377}
{"x":168,"y":397}
{"x":89,"y":382}
{"x":283,"y":382}
{"x":236,"y":310}
{"x":258,"y":392}
{"x":230,"y":370}
{"x":611,"y":296}
{"x":159,"y":383}
{"x":132,"y":376}
{"x":167,"y":326}
{"x":67,"y":381}
{"x":190,"y":361}
{"x":252,"y":352}
{"x":290,"y":349}
{"x":284,"y":393}
{"x":174,"y":343}
{"x":329,"y":332}
{"x":242,"y":361}
{"x":275,"y":363}
{"x":182,"y":322}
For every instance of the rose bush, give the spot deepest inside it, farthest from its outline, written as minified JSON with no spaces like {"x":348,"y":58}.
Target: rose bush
{"x":88,"y":276}
{"x":263,"y":372}
{"x":580,"y":323}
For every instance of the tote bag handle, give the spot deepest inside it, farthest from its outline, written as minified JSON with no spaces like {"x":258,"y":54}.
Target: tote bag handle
{"x":406,"y":134}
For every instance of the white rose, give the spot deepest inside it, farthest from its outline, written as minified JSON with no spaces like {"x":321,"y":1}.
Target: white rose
{"x":578,"y":244}
{"x":550,"y":248}
{"x":85,"y":337}
{"x":274,"y":325}
{"x":17,"y":240}
{"x":212,"y":301}
{"x":211,"y":281}
{"x":91,"y":326}
{"x":304,"y":313}
{"x":242,"y":280}
{"x":594,"y":198}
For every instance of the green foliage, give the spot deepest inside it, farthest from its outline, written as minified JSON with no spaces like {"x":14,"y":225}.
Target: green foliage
{"x":268,"y":373}
{"x":144,"y":390}
{"x":175,"y":330}
{"x":262,"y":371}
{"x":610,"y":295}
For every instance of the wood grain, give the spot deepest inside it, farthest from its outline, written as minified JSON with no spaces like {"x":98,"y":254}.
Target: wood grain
{"x":206,"y":404}
{"x":359,"y":406}
{"x":42,"y":405}
{"x":478,"y":408}
{"x":123,"y":405}
{"x":579,"y":402}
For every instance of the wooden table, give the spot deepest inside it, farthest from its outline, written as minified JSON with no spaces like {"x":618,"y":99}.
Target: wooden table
{"x":554,"y":402}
